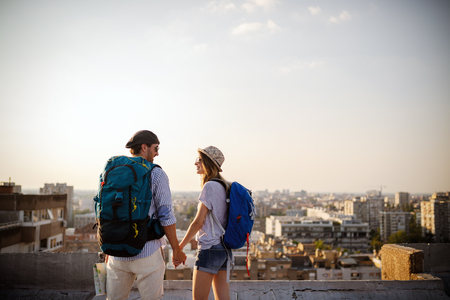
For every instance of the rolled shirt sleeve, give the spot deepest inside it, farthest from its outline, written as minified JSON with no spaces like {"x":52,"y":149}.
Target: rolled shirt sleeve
{"x":162,"y":198}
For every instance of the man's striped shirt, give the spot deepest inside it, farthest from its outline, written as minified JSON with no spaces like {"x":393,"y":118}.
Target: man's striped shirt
{"x":162,"y":207}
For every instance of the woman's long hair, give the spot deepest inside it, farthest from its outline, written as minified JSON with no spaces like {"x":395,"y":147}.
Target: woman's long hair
{"x":211,"y":170}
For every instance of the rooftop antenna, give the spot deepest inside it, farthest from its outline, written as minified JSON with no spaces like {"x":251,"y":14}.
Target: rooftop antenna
{"x":381,"y":189}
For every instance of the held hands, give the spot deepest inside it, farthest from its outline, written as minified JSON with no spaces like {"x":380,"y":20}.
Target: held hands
{"x":178,"y":258}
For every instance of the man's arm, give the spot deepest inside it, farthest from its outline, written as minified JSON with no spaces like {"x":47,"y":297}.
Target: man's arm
{"x":163,"y":205}
{"x":171,"y":234}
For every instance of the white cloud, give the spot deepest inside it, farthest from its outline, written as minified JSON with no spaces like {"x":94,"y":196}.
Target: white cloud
{"x":314,"y":10}
{"x":214,"y":6}
{"x":344,"y":16}
{"x":251,"y":5}
{"x":334,"y":20}
{"x":246,"y":28}
{"x":272,"y":26}
{"x":315,"y":64}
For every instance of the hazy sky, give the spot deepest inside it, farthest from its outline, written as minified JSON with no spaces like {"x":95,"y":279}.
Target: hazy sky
{"x":325,"y":96}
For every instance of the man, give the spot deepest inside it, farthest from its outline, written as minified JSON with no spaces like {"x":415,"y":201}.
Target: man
{"x":147,"y":267}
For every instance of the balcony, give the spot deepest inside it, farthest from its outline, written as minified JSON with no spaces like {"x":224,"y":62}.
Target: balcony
{"x":70,"y":276}
{"x":9,"y":225}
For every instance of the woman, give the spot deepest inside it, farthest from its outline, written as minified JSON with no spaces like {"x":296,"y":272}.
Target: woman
{"x":212,"y":257}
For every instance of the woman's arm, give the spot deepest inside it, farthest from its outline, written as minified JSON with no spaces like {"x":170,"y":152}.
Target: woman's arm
{"x":195,"y":226}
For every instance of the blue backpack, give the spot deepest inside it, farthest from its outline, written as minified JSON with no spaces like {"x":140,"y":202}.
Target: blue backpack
{"x":241,"y":216}
{"x":122,"y":205}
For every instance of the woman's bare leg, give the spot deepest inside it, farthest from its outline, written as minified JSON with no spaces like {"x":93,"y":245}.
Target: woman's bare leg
{"x":220,"y":286}
{"x":201,"y":285}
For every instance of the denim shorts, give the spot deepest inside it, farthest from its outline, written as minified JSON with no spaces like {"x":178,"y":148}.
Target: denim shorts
{"x":213,"y":259}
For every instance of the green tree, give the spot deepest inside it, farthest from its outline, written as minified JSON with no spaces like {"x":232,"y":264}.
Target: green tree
{"x":191,"y":211}
{"x":375,"y":240}
{"x":399,"y":237}
{"x":415,"y":231}
{"x":319,"y":244}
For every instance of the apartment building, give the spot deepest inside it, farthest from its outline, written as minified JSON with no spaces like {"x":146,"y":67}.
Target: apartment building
{"x":82,"y":239}
{"x":366,"y":209}
{"x":32,"y":223}
{"x":401,"y":198}
{"x":435,"y":216}
{"x":353,"y":235}
{"x":10,"y":188}
{"x":81,"y":220}
{"x":331,"y":265}
{"x":338,"y":232}
{"x":392,"y":222}
{"x":61,"y":188}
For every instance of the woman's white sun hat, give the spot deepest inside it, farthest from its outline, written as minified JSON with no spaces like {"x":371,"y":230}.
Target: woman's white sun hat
{"x":215,"y":155}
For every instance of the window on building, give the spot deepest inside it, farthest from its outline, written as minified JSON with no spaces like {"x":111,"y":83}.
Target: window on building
{"x":28,"y":216}
{"x":43,"y":244}
{"x":60,"y":213}
{"x":36,"y":216}
{"x":45,"y":215}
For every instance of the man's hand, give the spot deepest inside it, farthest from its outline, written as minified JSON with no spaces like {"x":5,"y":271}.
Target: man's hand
{"x":178,"y":258}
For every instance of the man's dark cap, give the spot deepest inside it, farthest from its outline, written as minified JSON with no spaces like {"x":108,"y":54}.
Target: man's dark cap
{"x":142,"y":137}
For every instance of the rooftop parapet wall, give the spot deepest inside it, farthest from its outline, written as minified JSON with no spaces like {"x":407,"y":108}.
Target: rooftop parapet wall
{"x":48,"y":271}
{"x":400,"y":263}
{"x":70,"y":276}
{"x":436,"y":257}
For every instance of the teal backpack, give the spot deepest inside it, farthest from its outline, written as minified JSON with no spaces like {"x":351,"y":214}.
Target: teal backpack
{"x":122,"y":205}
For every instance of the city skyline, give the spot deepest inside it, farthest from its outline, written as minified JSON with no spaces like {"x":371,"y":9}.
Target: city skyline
{"x":321,"y":96}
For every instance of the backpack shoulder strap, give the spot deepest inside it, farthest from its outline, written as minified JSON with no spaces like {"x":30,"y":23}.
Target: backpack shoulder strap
{"x":225,"y":186}
{"x":213,"y":217}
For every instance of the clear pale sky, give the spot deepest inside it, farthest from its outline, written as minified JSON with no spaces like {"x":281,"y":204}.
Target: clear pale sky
{"x":325,"y":96}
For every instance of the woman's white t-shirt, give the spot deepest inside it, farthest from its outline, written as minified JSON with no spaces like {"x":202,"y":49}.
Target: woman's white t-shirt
{"x":213,"y":196}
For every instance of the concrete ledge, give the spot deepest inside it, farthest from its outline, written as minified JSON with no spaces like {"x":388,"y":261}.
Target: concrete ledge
{"x":28,"y":294}
{"x":400,"y":263}
{"x":48,"y":271}
{"x":309,"y":290}
{"x":70,"y":276}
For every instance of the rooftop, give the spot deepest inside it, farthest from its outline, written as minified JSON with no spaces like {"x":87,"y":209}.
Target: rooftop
{"x":70,"y":276}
